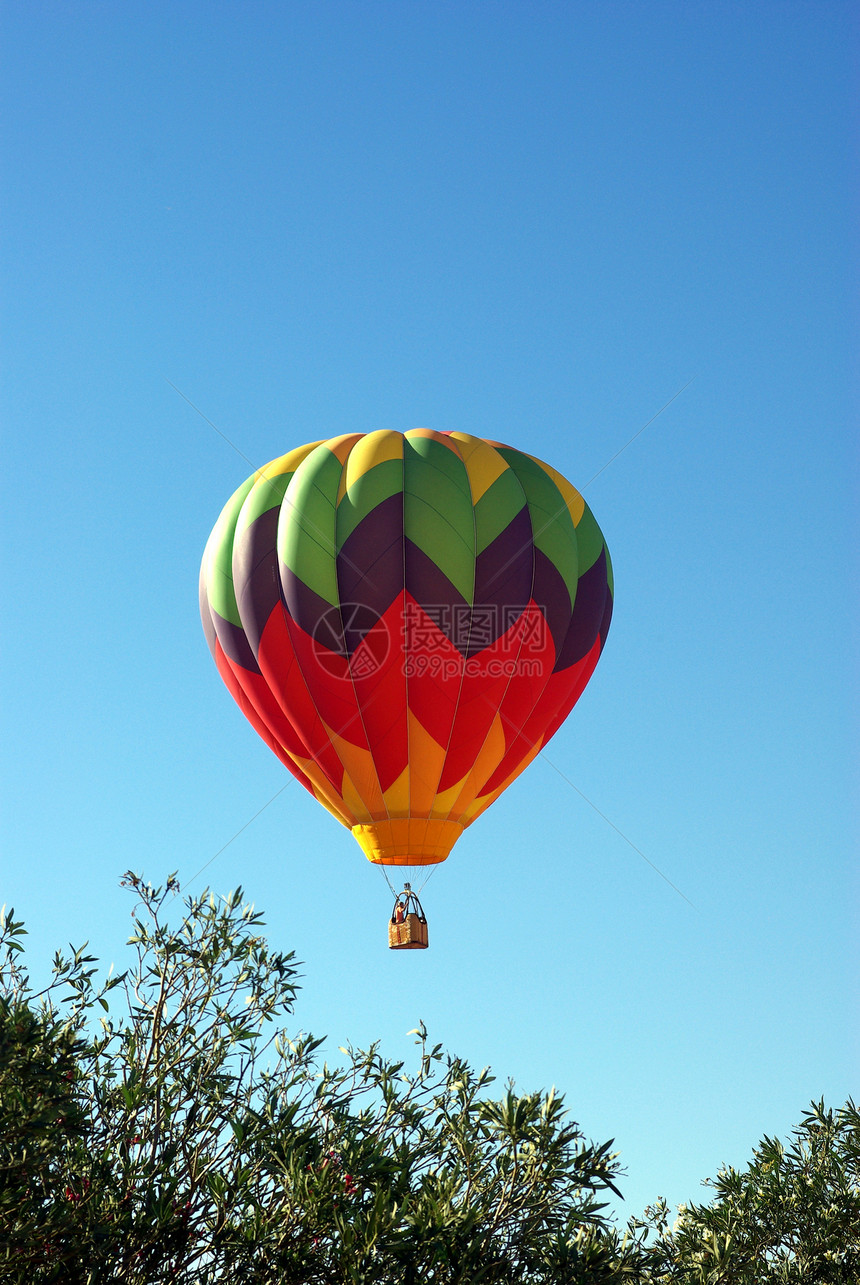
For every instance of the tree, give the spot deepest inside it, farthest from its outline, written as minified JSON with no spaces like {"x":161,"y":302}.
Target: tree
{"x":188,"y":1137}
{"x":40,"y":1117}
{"x":792,"y":1216}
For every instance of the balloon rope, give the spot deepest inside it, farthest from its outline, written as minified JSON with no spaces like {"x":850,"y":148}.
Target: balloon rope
{"x":388,"y":881}
{"x":408,"y":870}
{"x":427,"y":880}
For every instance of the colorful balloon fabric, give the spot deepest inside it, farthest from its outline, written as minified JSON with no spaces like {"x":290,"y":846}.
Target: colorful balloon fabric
{"x":406,"y":619}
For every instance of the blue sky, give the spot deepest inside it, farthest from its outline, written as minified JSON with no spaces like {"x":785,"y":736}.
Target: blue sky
{"x":536,"y":223}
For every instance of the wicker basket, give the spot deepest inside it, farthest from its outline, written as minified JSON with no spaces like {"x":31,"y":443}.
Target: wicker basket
{"x":410,"y":935}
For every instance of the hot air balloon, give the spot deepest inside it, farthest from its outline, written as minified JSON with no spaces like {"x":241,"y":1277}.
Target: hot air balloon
{"x":406,"y":619}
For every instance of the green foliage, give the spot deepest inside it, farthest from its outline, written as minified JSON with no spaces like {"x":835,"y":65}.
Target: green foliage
{"x":792,"y":1216}
{"x":188,"y":1138}
{"x":162,"y":1126}
{"x":40,"y":1118}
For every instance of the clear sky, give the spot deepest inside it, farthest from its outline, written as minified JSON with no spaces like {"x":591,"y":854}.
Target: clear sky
{"x":535,"y":222}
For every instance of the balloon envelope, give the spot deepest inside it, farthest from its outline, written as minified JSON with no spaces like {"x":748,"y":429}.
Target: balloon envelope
{"x":406,"y":619}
